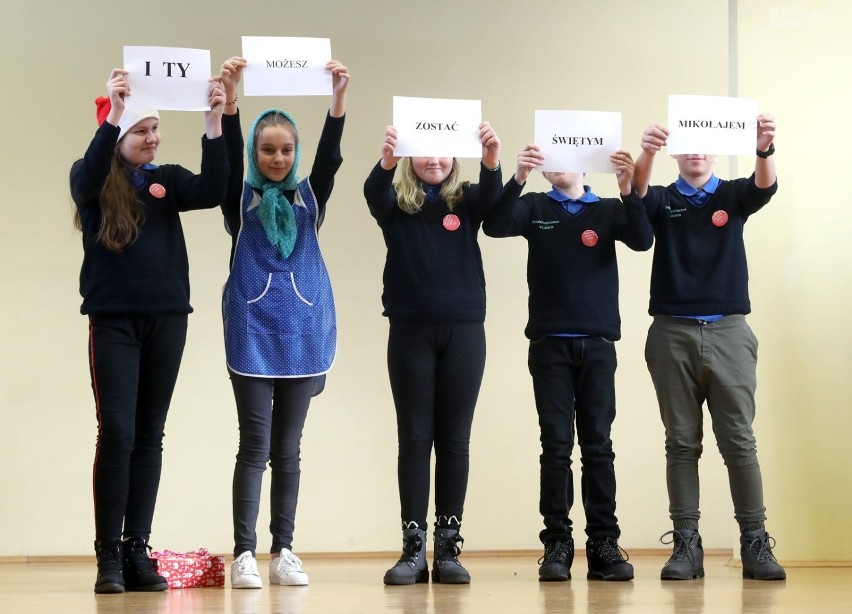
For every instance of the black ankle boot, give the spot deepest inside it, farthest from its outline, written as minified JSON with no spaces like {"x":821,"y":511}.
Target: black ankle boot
{"x":411,"y":567}
{"x":758,"y":561}
{"x":139,"y":574}
{"x":446,"y":568}
{"x":110,"y":576}
{"x":606,"y":561}
{"x":555,"y":565}
{"x":687,"y":559}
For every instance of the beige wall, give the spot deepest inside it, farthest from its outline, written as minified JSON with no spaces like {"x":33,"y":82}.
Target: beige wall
{"x":606,"y":55}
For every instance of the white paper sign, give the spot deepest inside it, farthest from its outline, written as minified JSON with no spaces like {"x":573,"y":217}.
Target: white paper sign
{"x":711,"y":125}
{"x":437,"y":127}
{"x":286,"y":66}
{"x":578,"y":141}
{"x":168,"y":78}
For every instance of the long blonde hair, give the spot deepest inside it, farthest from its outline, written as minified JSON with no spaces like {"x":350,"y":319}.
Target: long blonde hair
{"x":409,"y":189}
{"x":121,"y":212}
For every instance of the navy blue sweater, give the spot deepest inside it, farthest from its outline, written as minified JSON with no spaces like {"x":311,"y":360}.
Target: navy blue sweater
{"x":573,"y":285}
{"x":700,"y":267}
{"x":151,"y":276}
{"x":432,"y":275}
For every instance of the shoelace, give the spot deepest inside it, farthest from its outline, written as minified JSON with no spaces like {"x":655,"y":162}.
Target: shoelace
{"x":555,"y":551}
{"x":451,"y":549}
{"x":137,"y":555}
{"x":411,"y":549}
{"x":610,"y":552}
{"x":291,"y":561}
{"x":682,"y":549}
{"x":247,"y":565}
{"x":762,"y":548}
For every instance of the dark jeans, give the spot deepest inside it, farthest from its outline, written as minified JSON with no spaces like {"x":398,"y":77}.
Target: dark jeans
{"x":435,"y":374}
{"x":134,"y":363}
{"x":574,"y":380}
{"x":692,"y":362}
{"x":271,"y":414}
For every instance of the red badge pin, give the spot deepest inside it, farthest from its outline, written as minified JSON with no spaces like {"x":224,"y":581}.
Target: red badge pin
{"x":590,"y":238}
{"x":451,"y":222}
{"x":157,"y":190}
{"x":720,"y":218}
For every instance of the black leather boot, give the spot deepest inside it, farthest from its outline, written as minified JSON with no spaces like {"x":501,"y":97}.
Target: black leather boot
{"x":687,"y":559}
{"x":411,"y":567}
{"x":446,"y":568}
{"x":758,"y":561}
{"x":110,"y":576}
{"x":139,"y":574}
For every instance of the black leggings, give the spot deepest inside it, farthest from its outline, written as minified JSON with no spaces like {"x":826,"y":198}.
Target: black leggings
{"x":134,"y":363}
{"x":271,"y":413}
{"x":435,"y":374}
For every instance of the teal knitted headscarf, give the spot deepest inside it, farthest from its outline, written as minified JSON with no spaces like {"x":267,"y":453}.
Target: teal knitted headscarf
{"x":275,"y":211}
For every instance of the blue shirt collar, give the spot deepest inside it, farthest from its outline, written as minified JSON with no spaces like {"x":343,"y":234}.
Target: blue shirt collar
{"x":139,"y":176}
{"x":587,"y":197}
{"x":687,"y":190}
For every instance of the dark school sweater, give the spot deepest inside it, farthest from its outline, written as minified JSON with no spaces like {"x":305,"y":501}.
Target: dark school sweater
{"x":699,"y":266}
{"x":573,"y":283}
{"x":151,"y":276}
{"x":433,"y":275}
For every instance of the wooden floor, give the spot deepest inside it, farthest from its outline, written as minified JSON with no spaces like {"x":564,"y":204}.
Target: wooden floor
{"x":504,"y":584}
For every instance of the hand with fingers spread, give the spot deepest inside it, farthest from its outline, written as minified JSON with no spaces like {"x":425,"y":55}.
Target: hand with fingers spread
{"x":490,"y":146}
{"x":528,"y":160}
{"x":388,"y":160}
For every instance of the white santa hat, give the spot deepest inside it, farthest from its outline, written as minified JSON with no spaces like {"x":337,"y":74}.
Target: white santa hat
{"x":129,"y":118}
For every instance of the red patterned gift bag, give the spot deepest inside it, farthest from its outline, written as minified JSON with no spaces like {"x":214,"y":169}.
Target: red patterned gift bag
{"x":190,"y":569}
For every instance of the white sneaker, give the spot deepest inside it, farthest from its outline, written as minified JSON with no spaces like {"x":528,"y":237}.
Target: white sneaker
{"x":244,"y":572}
{"x":287,"y":569}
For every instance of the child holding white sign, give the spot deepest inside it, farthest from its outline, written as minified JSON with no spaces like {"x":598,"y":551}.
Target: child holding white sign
{"x":135,"y":287}
{"x":700,"y":347}
{"x":573,"y":325}
{"x":434,"y":298}
{"x":278,"y":310}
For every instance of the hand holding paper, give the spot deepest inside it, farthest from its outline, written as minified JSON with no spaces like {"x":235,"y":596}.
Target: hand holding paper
{"x":216,"y":100}
{"x":624,"y":167}
{"x":339,"y":85}
{"x":654,"y":138}
{"x":388,"y":160}
{"x":490,"y":146}
{"x":231,"y":71}
{"x":528,"y":160}
{"x":117,"y":89}
{"x":765,"y":131}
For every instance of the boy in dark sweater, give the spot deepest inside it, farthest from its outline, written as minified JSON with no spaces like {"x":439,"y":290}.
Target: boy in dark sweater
{"x":573,"y":323}
{"x":699,"y":346}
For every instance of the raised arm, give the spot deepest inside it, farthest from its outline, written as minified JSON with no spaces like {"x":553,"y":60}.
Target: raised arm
{"x":89,"y":174}
{"x":634,"y":229}
{"x":507,"y":219}
{"x":653,"y":139}
{"x":378,"y":188}
{"x":764,"y":167}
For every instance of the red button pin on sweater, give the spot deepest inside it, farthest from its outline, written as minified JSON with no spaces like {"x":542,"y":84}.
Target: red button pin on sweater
{"x":589,"y":238}
{"x":451,"y":222}
{"x":720,"y":218}
{"x":157,"y":190}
